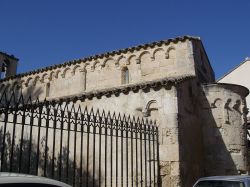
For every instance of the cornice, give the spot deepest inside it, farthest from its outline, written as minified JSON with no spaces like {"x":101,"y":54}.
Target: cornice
{"x":9,"y":56}
{"x":105,"y":55}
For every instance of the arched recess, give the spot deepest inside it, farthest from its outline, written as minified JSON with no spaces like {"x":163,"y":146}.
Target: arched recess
{"x":95,"y":64}
{"x":124,"y":75}
{"x":28,"y":81}
{"x":52,"y":75}
{"x":45,"y":77}
{"x":108,"y":63}
{"x":170,"y":53}
{"x":121,"y":61}
{"x":57,"y":73}
{"x":66,"y":72}
{"x":144,"y":56}
{"x":75,"y":69}
{"x":158,"y":54}
{"x":131,"y":59}
{"x":36,"y":80}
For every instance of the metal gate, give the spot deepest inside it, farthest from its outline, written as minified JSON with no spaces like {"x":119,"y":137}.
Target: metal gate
{"x":63,"y":141}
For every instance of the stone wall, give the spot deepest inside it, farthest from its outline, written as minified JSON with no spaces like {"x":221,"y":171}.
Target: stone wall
{"x":162,"y":105}
{"x":190,"y":133}
{"x":147,"y":63}
{"x":224,"y":129}
{"x":201,"y":129}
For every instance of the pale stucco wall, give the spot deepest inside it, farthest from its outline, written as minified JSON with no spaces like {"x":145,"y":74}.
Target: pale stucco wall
{"x":240,"y":76}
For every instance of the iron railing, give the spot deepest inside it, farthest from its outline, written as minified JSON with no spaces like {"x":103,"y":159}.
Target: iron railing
{"x":63,"y":141}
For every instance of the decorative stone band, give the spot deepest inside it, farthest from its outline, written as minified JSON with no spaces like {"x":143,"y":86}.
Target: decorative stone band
{"x":158,"y":83}
{"x":106,"y":56}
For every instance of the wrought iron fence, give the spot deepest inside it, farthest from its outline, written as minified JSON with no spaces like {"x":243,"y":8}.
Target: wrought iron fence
{"x":63,"y":141}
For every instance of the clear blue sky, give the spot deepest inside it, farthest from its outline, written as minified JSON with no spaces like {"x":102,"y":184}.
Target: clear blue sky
{"x":46,"y":32}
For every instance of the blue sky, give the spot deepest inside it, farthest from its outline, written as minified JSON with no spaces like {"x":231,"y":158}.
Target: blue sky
{"x":47,"y":32}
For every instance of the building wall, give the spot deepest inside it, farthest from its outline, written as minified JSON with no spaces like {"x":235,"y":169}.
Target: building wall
{"x":224,"y":129}
{"x":239,"y":76}
{"x":150,"y":63}
{"x":164,"y":110}
{"x":11,"y":65}
{"x":198,"y":136}
{"x":190,"y":133}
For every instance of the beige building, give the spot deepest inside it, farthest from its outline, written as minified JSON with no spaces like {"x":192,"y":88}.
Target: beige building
{"x":202,"y":123}
{"x":239,"y":75}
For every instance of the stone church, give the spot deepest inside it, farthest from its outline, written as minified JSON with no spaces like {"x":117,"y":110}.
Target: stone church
{"x":201,"y":123}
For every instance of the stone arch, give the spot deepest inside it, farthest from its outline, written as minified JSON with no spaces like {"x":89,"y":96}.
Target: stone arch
{"x":44,"y":76}
{"x":93,"y":67}
{"x":65,"y":72}
{"x":52,"y":75}
{"x":141,"y":56}
{"x":129,"y":61}
{"x":156,"y":51}
{"x":119,"y":59}
{"x":75,"y":69}
{"x":37,"y":78}
{"x":167,"y":54}
{"x":22,"y":84}
{"x":27,"y":83}
{"x":57,"y":73}
{"x":106,"y":61}
{"x":217,"y":103}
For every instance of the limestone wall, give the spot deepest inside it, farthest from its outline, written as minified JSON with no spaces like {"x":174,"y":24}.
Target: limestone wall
{"x":144,"y":64}
{"x":163,"y":108}
{"x":224,"y":129}
{"x":190,"y":133}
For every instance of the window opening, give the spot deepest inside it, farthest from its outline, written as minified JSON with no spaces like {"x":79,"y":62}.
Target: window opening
{"x":125,"y":75}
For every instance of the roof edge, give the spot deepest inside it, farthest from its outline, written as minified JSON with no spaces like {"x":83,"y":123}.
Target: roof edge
{"x":9,"y":56}
{"x":236,"y":67}
{"x":104,"y":55}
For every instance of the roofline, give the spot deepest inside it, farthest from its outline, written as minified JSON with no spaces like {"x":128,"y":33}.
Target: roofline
{"x":233,"y":69}
{"x":107,"y":54}
{"x":211,"y":68}
{"x":9,"y":56}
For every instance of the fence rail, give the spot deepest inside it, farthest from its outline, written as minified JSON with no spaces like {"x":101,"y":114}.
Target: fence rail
{"x":78,"y":146}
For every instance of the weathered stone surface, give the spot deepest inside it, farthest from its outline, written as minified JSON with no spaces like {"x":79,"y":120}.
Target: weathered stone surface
{"x":201,"y":128}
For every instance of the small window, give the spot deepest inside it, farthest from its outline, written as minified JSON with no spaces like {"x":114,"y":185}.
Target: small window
{"x":125,"y":75}
{"x":47,"y":89}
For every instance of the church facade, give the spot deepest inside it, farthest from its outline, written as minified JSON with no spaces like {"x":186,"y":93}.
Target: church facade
{"x":202,"y":124}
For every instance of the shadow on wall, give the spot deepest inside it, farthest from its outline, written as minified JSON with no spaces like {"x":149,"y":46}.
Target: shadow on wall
{"x":202,"y":148}
{"x":217,"y":157}
{"x":31,"y":158}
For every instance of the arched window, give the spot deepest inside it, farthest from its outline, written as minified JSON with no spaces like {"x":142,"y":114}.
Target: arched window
{"x":47,"y":89}
{"x":125,"y":75}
